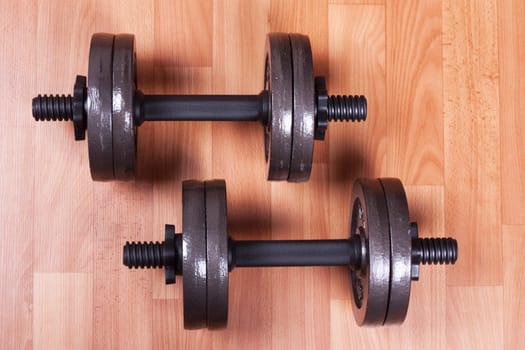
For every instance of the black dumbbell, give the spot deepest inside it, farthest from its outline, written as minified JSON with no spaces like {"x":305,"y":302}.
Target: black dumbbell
{"x":294,"y":108}
{"x":383,"y":253}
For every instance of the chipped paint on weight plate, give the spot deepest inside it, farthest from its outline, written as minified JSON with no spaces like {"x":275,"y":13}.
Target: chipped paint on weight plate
{"x":93,"y":100}
{"x":118,"y":101}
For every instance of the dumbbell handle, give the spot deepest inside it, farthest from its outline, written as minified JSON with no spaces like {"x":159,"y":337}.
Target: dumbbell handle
{"x":201,"y":107}
{"x":340,"y":252}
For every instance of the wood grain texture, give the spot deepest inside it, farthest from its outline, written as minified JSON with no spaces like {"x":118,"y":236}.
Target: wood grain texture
{"x":483,"y":317}
{"x":414,"y":102}
{"x":512,"y":107}
{"x":63,"y":305}
{"x":514,"y":280}
{"x":472,"y":148}
{"x":187,"y":20}
{"x":444,"y":81}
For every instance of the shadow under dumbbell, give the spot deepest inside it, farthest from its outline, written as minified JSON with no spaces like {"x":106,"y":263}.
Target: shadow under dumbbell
{"x":248,"y":226}
{"x":347,"y":164}
{"x":162,"y":155}
{"x":172,"y":79}
{"x":146,"y":75}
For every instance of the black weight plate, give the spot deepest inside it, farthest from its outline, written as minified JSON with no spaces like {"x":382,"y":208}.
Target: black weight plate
{"x":303,"y":109}
{"x":124,"y":86}
{"x":217,"y":253}
{"x":400,"y":249}
{"x":194,"y":268}
{"x":370,"y":284}
{"x":278,"y":82}
{"x":100,"y":107}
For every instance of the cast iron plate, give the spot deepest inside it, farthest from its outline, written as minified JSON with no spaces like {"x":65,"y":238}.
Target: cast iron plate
{"x":99,"y":107}
{"x":124,"y":86}
{"x":303,"y":109}
{"x":370,"y":284}
{"x":217,"y":253}
{"x":278,"y":82}
{"x":194,"y":267}
{"x":400,"y":250}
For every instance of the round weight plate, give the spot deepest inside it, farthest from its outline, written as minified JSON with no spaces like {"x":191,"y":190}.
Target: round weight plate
{"x":194,"y":254}
{"x":124,"y":85}
{"x":370,"y":284}
{"x":303,"y":109}
{"x":400,"y":250}
{"x":278,"y":82}
{"x":217,"y":253}
{"x":99,"y":107}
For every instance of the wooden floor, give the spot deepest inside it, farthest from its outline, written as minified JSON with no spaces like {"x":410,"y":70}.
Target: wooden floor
{"x":445,"y":82}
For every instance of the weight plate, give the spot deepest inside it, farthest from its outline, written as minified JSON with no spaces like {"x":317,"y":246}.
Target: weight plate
{"x":217,"y":253}
{"x":124,"y":86}
{"x":303,"y":109}
{"x":400,"y":250}
{"x":99,"y":107}
{"x":370,"y":284}
{"x":278,"y":82}
{"x":194,"y":267}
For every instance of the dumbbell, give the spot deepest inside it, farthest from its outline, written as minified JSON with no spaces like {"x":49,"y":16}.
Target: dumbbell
{"x":382,"y":253}
{"x":294,"y":107}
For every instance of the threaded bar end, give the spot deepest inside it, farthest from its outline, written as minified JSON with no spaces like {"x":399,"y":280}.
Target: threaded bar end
{"x":438,"y":250}
{"x":347,"y":108}
{"x":57,"y":107}
{"x":143,"y":254}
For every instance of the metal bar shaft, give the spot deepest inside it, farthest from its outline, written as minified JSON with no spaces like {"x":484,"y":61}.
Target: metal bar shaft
{"x":341,"y":252}
{"x":204,"y":107}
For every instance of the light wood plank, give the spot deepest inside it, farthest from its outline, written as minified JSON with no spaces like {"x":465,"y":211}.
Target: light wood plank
{"x":512,"y":108}
{"x":168,"y":313}
{"x":472,"y":163}
{"x":473,"y":319}
{"x":414,"y":92}
{"x":357,"y":2}
{"x":17,"y":230}
{"x":18,"y":26}
{"x":513,"y":285}
{"x":17,"y":56}
{"x":62,"y":311}
{"x":183,"y":33}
